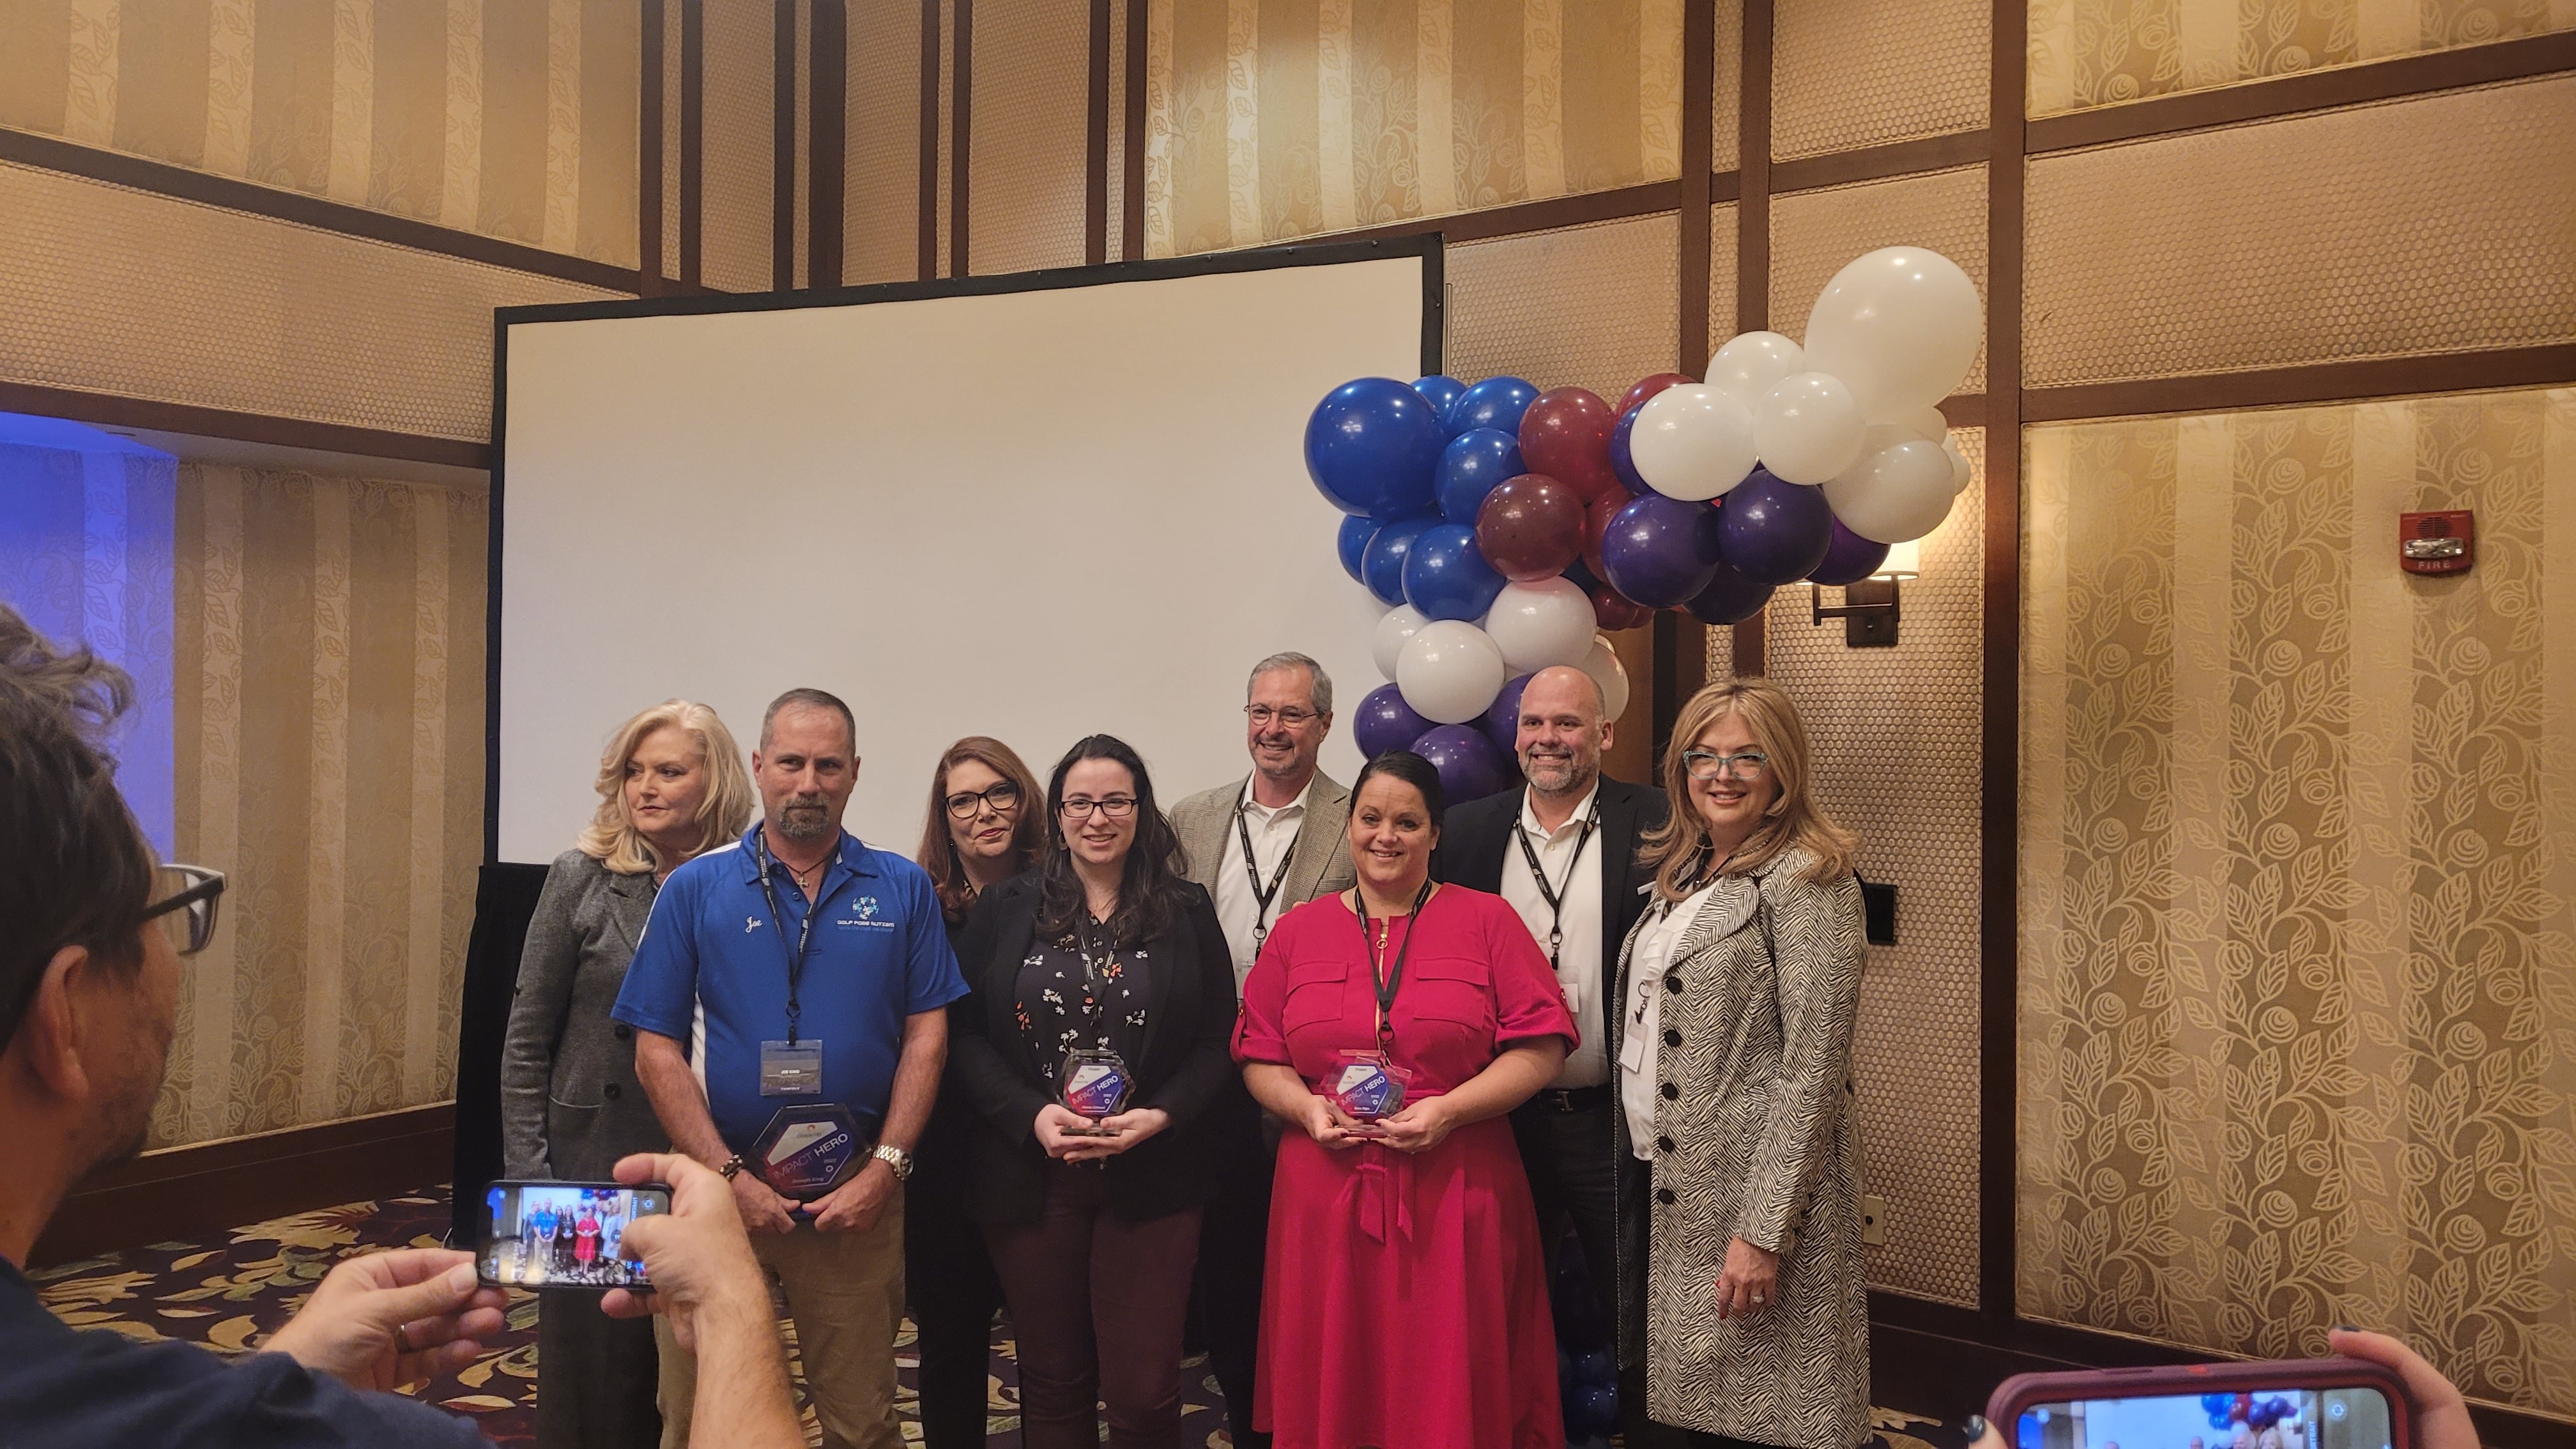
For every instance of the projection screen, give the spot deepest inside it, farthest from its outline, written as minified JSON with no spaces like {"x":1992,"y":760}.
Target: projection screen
{"x":1032,"y":507}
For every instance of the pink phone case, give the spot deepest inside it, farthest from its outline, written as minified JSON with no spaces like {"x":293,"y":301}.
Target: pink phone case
{"x":2021,"y":1391}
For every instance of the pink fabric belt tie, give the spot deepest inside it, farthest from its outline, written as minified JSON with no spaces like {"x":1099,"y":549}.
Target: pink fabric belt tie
{"x":1383,"y":1172}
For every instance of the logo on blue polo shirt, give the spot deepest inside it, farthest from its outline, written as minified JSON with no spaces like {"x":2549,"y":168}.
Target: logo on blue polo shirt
{"x":864,"y":913}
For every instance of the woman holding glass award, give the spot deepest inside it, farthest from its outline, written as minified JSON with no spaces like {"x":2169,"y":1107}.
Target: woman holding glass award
{"x":1394,"y":1027}
{"x":1090,"y":1050}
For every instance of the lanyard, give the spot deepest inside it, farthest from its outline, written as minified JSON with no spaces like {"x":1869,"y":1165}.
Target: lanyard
{"x":1094,"y":985}
{"x":1261,"y":896}
{"x":1388,"y":982}
{"x":804,"y":933}
{"x":1555,"y":895}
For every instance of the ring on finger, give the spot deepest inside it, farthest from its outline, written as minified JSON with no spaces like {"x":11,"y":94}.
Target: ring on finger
{"x":402,"y":1339}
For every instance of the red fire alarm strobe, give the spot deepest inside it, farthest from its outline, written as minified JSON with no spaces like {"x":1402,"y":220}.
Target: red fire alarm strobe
{"x":2437,"y":543}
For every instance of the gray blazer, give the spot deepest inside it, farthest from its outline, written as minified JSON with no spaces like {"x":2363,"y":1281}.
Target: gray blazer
{"x":1319,"y":865}
{"x":570,"y":1103}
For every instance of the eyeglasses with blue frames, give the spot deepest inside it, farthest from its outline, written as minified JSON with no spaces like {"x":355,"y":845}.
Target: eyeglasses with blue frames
{"x":1704,"y":765}
{"x":184,"y":900}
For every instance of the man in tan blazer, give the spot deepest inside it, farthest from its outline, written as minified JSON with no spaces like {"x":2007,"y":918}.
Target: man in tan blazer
{"x":1261,"y":845}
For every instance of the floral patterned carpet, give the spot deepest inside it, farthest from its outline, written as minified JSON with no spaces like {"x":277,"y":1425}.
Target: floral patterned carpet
{"x":231,"y":1295}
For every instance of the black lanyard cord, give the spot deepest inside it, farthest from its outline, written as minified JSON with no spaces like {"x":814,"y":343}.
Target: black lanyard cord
{"x":1262,"y":896}
{"x":1095,"y":985}
{"x":804,"y":933}
{"x":1388,"y":982}
{"x":1555,"y":895}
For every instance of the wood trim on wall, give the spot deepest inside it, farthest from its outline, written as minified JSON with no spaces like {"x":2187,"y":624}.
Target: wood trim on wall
{"x":827,"y":141}
{"x":649,"y":72}
{"x":1131,"y":221}
{"x":926,"y":235}
{"x":1878,"y":163}
{"x":182,"y":1192}
{"x":181,"y":183}
{"x":1095,"y":144}
{"x":2322,"y":382}
{"x":782,"y":146}
{"x":693,"y":144}
{"x":112,"y":410}
{"x":1521,"y":218}
{"x":961,"y":126}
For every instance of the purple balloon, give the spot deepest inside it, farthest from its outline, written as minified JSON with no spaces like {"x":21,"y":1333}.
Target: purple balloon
{"x":1469,"y":765}
{"x":1622,"y":462}
{"x":1849,"y":559}
{"x":1660,"y":551}
{"x":1386,"y":722}
{"x":1503,"y":717}
{"x":1730,"y":598}
{"x":1774,"y":532}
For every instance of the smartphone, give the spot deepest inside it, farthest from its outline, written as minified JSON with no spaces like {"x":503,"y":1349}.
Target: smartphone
{"x":565,"y":1234}
{"x":2318,"y":1403}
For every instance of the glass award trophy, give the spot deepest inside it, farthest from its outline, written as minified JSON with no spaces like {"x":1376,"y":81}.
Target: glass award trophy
{"x":807,"y":1149}
{"x":1096,"y":1085}
{"x":1367,"y":1086}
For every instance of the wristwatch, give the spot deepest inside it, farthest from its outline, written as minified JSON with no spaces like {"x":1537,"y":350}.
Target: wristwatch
{"x":730,"y":1166}
{"x":894,"y":1157}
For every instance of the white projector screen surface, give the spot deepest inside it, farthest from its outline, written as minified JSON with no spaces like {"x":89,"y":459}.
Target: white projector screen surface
{"x":1034,"y":515}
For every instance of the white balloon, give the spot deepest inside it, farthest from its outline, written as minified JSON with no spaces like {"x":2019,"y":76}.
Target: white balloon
{"x":1753,"y":363}
{"x":1542,"y":624}
{"x":1960,"y":472}
{"x":1899,"y":326}
{"x":1449,"y":671}
{"x":1898,"y":493}
{"x":1602,"y":663}
{"x":1387,"y":644}
{"x":1807,"y":429}
{"x":1924,"y":422}
{"x":1692,"y":442}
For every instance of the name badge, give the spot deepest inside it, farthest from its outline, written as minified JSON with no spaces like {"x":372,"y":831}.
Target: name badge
{"x":791,"y":1069}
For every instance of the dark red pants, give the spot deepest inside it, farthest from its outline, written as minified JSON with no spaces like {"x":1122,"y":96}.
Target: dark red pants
{"x":1097,"y":1302}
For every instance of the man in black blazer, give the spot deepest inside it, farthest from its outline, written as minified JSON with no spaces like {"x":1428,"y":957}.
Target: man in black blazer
{"x":1563,"y":851}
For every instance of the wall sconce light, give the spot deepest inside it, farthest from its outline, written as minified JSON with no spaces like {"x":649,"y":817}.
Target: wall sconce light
{"x":1869,"y":608}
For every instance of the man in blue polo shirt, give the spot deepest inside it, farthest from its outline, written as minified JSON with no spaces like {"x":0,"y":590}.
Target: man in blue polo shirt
{"x":799,"y":967}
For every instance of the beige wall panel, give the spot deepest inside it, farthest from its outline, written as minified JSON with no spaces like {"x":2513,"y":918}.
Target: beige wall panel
{"x":881,"y":201}
{"x":1897,"y":735}
{"x":947,"y":174}
{"x":2369,"y":232}
{"x":1027,"y":149}
{"x":1722,"y":221}
{"x":161,"y":71}
{"x":1869,"y":72}
{"x":1814,"y":234}
{"x":611,"y":59}
{"x":2296,"y":906}
{"x":1727,"y":114}
{"x":801,"y":219}
{"x":740,"y":224}
{"x":142,"y":296}
{"x":1586,"y":306}
{"x":671,"y":138}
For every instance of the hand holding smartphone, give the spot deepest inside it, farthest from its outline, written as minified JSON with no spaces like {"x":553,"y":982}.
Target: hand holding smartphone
{"x":565,"y":1234}
{"x":2327,"y":1403}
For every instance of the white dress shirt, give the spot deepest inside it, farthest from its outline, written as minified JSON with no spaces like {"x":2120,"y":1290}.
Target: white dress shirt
{"x":1578,"y":957}
{"x":1643,"y":1039}
{"x":1238,"y":910}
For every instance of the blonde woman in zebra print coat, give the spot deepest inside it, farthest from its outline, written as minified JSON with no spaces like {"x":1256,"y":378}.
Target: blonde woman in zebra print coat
{"x":1740,"y":1273}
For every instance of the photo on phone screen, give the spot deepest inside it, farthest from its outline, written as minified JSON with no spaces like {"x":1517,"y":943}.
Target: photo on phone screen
{"x":565,"y":1234}
{"x":2354,"y":1418}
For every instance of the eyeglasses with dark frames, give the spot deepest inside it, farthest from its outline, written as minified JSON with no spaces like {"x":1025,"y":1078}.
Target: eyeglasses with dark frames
{"x":1003,"y":797}
{"x":1116,"y":807}
{"x":185,"y":905}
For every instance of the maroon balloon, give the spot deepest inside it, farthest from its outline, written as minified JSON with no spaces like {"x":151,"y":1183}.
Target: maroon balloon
{"x":1646,"y":388}
{"x":1615,"y":611}
{"x":1596,"y":525}
{"x":1530,"y":527}
{"x":1566,"y":435}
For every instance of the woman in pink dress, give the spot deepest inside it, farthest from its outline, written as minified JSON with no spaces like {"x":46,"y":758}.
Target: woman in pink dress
{"x":1406,"y":1303}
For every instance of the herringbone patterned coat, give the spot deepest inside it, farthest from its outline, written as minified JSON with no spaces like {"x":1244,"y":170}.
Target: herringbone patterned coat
{"x":1756,"y":1138}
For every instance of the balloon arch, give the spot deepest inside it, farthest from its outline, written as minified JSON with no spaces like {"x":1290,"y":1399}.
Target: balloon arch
{"x":1505,"y":528}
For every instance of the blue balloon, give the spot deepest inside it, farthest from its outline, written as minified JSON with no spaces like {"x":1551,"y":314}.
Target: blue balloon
{"x":1470,"y":466}
{"x":1371,"y":446}
{"x":1446,"y":576}
{"x":2213,"y":1403}
{"x":1600,"y":1407}
{"x":1623,"y":462}
{"x":1470,"y":768}
{"x":1730,"y":598}
{"x":1496,"y":403}
{"x":1382,"y":561}
{"x":2218,"y":1419}
{"x":1353,"y":542}
{"x":1774,"y":532}
{"x":1440,"y":389}
{"x":1503,"y":721}
{"x":1596,"y":1367}
{"x":1660,"y":551}
{"x":1385,"y":722}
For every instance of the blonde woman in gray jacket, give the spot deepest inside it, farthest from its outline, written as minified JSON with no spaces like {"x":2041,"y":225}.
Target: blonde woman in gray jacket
{"x":671,"y":784}
{"x":1745,"y":1307}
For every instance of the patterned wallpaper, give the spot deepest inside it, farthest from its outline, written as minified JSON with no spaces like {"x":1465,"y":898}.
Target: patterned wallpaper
{"x":329,"y":714}
{"x":1271,"y":119}
{"x":2298,"y":901}
{"x":2087,"y":53}
{"x":513,"y":118}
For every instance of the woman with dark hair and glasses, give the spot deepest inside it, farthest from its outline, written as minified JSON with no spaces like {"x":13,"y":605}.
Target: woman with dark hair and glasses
{"x":983,"y":826}
{"x":1394,"y":1027}
{"x":1090,"y":1049}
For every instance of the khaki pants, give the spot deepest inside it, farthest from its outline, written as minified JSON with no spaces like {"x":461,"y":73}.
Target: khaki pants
{"x":845,"y":1295}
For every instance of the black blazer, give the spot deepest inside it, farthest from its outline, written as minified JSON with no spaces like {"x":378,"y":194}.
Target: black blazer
{"x":1186,"y":1067}
{"x":1476,"y":847}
